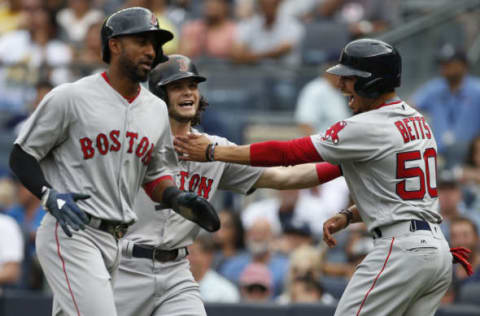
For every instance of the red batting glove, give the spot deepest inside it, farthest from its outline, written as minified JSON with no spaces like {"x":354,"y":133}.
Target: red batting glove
{"x":460,"y":255}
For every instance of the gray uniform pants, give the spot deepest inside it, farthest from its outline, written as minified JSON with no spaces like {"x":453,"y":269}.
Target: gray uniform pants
{"x":145,"y":287}
{"x":78,"y":269}
{"x":407,"y":273}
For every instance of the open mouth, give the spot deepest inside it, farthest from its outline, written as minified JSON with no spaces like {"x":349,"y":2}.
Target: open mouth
{"x":186,"y":104}
{"x":349,"y":97}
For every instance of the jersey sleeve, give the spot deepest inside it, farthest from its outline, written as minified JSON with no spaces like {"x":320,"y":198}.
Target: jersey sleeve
{"x":164,"y":159}
{"x":47,"y":127}
{"x":349,"y":140}
{"x":238,"y":178}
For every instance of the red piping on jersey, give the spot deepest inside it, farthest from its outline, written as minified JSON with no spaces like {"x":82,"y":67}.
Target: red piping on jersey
{"x":150,"y":186}
{"x":390,"y":103}
{"x":129,"y":100}
{"x":327,"y":172}
{"x":378,"y":275}
{"x":284,"y":153}
{"x":65,"y":270}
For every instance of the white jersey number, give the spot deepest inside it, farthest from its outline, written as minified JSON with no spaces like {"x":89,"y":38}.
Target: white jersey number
{"x":424,"y":174}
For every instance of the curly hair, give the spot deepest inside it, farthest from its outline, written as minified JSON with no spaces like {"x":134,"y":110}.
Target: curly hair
{"x":201,"y":108}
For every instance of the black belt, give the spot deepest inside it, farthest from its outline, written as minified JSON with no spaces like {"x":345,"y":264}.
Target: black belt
{"x":152,"y":253}
{"x":415,"y":225}
{"x":116,"y":229}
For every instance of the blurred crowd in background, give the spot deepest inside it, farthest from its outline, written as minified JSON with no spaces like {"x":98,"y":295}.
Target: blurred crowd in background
{"x":269,"y":247}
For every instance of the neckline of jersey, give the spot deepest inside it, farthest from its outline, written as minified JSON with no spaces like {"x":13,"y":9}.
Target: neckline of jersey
{"x":389,"y":102}
{"x":129,"y":100}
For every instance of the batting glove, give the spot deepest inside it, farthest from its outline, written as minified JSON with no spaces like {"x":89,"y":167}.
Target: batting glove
{"x":196,"y":209}
{"x":63,"y":207}
{"x":460,"y":255}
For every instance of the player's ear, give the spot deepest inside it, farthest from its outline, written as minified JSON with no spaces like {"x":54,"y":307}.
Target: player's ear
{"x":115,"y":46}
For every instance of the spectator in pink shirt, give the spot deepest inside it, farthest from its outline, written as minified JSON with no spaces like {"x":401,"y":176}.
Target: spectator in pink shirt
{"x":211,"y":36}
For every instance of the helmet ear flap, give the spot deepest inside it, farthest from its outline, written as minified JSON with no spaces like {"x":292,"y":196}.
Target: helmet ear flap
{"x":369,"y":89}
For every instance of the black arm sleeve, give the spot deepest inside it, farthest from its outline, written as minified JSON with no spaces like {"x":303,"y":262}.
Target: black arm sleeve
{"x":28,"y":170}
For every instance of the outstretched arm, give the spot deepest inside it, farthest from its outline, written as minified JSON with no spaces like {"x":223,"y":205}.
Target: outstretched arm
{"x":298,"y":177}
{"x":195,"y":147}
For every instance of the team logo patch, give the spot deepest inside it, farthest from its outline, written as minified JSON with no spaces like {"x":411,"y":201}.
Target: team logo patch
{"x":153,"y":20}
{"x":332,"y":132}
{"x":182,"y":65}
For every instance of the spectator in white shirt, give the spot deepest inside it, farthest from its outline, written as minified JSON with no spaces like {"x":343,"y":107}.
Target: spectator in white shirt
{"x":269,"y":37}
{"x":31,"y":55}
{"x":213,"y":286}
{"x":320,"y":104}
{"x":76,"y":18}
{"x":11,"y":251}
{"x":313,"y":206}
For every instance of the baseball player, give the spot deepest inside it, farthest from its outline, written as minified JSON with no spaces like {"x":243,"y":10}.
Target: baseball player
{"x":154,"y":276}
{"x":387,"y":153}
{"x":85,"y":152}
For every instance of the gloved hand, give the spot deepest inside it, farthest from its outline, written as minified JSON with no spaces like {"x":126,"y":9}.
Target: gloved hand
{"x":460,"y":255}
{"x":64,"y":208}
{"x":197,"y":210}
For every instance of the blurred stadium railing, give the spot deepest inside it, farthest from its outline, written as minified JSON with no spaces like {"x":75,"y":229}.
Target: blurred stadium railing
{"x":19,"y":303}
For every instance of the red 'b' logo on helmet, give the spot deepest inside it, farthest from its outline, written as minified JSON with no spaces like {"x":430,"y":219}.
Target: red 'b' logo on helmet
{"x":182,"y":64}
{"x":333,"y":131}
{"x":153,"y":20}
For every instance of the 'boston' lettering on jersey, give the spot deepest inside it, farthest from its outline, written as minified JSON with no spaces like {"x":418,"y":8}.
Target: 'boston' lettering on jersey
{"x":408,"y":125}
{"x":197,"y":183}
{"x":105,"y":144}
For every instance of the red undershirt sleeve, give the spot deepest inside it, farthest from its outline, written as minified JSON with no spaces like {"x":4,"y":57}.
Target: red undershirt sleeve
{"x":284,"y":153}
{"x":327,"y":172}
{"x":150,"y":186}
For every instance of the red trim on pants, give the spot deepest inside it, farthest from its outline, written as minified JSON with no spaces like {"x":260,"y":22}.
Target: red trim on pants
{"x":64,"y":270}
{"x":378,"y":275}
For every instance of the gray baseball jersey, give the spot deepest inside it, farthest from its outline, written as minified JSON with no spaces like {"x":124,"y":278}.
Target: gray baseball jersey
{"x":144,"y":287}
{"x":90,"y":139}
{"x":168,"y":230}
{"x":388,"y":157}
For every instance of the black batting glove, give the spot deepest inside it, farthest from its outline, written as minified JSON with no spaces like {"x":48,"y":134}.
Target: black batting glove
{"x":192,"y":207}
{"x":63,"y":207}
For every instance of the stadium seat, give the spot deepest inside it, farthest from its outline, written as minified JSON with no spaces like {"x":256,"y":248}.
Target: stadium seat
{"x":235,"y":90}
{"x":334,"y":286}
{"x":6,"y":145}
{"x":470,"y":294}
{"x":458,"y":310}
{"x":24,"y":302}
{"x":322,"y":40}
{"x":249,"y":309}
{"x":311,"y":310}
